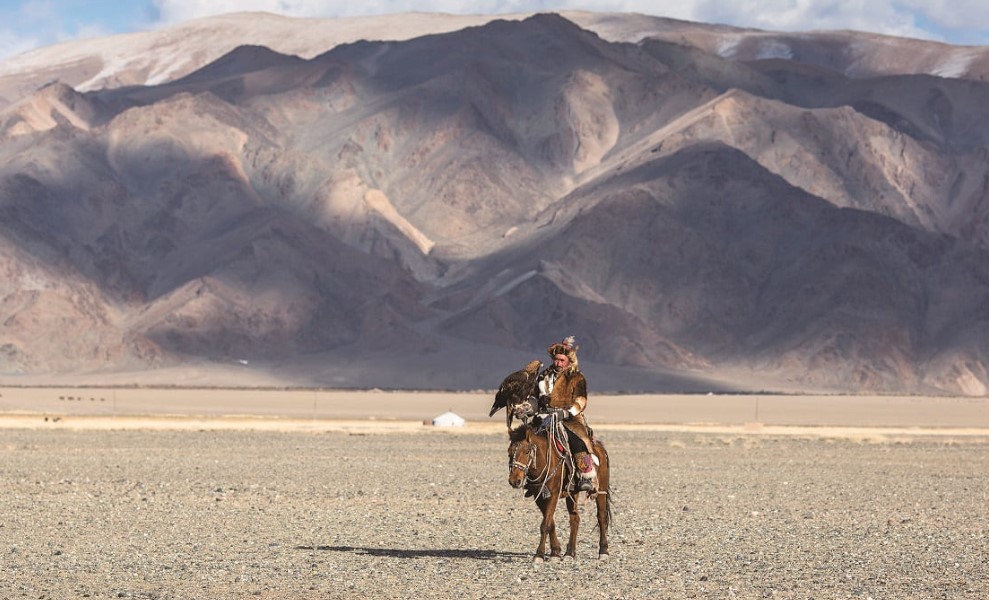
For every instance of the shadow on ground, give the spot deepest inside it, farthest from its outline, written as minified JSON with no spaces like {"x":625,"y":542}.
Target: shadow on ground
{"x":405,"y":553}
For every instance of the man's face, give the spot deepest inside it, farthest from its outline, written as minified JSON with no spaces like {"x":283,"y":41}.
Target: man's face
{"x":561,"y":361}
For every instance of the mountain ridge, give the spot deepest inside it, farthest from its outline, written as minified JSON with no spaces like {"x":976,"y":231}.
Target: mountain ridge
{"x":431,"y":212}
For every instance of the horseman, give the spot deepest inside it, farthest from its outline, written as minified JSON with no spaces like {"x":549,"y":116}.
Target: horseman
{"x":563,"y":392}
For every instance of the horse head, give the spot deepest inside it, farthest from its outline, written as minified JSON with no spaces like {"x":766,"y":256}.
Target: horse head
{"x":521,"y":455}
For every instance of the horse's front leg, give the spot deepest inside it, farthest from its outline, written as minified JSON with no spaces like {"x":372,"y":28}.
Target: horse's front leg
{"x":547,"y":527}
{"x":572,"y":509}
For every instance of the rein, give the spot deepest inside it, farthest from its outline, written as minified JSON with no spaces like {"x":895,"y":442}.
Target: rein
{"x":543,"y":477}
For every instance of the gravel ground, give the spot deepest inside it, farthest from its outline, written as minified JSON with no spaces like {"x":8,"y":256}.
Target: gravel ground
{"x":242,"y":514}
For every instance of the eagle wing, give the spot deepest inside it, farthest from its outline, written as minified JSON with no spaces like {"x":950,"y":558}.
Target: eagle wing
{"x":515,"y":389}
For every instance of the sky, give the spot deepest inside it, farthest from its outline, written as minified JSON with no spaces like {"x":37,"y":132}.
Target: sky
{"x":29,"y":24}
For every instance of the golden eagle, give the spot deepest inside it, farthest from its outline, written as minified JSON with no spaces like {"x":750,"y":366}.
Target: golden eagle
{"x":516,"y":390}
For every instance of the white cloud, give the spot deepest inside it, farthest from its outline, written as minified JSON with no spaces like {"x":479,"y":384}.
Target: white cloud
{"x":804,"y":15}
{"x":12,"y":43}
{"x":952,"y":14}
{"x":85,"y":30}
{"x":34,"y":23}
{"x":172,"y":11}
{"x":892,"y":17}
{"x":30,"y":23}
{"x":961,"y":21}
{"x":21,"y":22}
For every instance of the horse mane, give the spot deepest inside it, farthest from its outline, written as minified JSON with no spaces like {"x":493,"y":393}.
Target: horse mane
{"x":519,"y":434}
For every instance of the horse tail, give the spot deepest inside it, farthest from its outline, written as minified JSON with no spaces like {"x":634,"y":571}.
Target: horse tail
{"x":608,"y":493}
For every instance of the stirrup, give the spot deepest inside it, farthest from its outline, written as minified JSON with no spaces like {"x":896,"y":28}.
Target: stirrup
{"x":584,"y":484}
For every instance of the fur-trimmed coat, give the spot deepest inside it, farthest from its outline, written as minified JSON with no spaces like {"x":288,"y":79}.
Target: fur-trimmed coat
{"x":569,"y":392}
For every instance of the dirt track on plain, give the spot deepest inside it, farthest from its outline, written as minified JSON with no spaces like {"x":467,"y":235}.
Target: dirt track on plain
{"x":426,"y":513}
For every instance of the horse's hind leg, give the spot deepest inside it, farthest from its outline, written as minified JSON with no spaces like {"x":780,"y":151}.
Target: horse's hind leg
{"x":604,"y":516}
{"x":603,"y":499}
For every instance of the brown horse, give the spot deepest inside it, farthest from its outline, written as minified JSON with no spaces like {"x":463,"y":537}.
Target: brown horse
{"x":535,"y":463}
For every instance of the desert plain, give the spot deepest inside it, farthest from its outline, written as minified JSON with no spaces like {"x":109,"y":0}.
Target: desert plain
{"x":227,"y":493}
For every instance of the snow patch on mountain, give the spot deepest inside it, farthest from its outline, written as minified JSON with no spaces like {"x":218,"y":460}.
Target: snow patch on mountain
{"x":957,"y":62}
{"x":377,"y":200}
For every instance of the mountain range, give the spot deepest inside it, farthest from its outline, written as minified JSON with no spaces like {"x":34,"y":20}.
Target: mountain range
{"x":428,"y":201}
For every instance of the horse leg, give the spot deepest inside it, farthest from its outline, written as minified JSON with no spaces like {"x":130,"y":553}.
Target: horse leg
{"x":547,"y":527}
{"x":604,"y":510}
{"x":603,"y":499}
{"x":574,"y":525}
{"x":549,"y":522}
{"x":543,"y":504}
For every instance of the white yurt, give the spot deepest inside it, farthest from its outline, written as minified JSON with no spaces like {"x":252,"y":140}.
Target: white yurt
{"x":449,"y":419}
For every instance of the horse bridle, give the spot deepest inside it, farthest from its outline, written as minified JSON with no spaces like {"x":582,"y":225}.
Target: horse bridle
{"x":514,"y":463}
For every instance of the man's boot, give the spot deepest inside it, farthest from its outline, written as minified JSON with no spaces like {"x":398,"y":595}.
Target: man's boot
{"x":586,"y":473}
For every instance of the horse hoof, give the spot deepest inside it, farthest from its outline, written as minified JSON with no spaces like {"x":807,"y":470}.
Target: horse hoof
{"x":538,"y":559}
{"x":554,"y":559}
{"x":603,"y":556}
{"x":569,"y":558}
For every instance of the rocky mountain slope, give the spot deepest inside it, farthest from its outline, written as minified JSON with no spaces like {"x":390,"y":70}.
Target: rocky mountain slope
{"x":703,"y":207}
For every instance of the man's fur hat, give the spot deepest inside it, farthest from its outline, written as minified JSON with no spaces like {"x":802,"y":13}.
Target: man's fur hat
{"x":567,"y":347}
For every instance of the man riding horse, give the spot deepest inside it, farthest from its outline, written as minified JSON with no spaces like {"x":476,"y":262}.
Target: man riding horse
{"x":551,"y":407}
{"x":562,"y":392}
